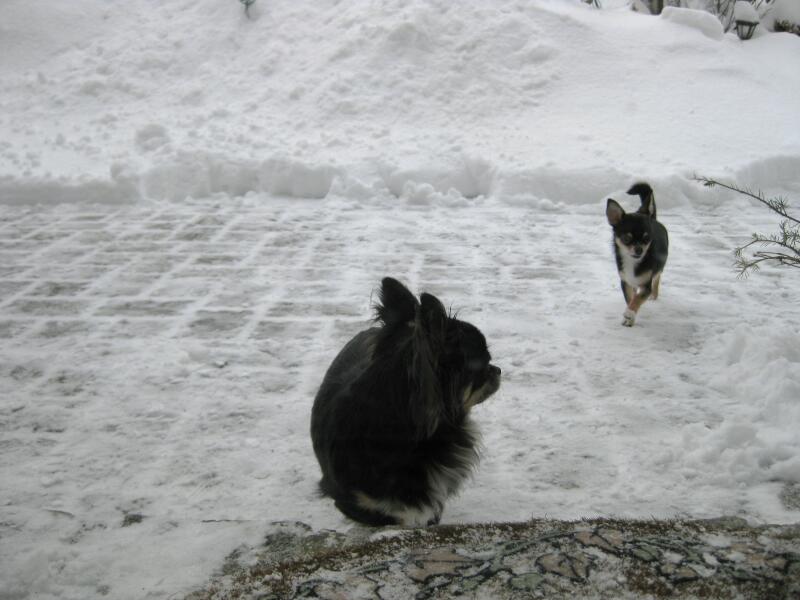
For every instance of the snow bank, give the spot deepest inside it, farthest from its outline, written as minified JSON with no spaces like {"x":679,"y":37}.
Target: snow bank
{"x":782,"y":10}
{"x":31,"y":33}
{"x":762,"y":373}
{"x":702,"y":21}
{"x":403,"y":99}
{"x":466,"y":176}
{"x":744,"y":11}
{"x":36,"y":190}
{"x":786,"y":10}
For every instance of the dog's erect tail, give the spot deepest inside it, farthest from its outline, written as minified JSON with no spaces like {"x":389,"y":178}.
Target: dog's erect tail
{"x":645,"y":193}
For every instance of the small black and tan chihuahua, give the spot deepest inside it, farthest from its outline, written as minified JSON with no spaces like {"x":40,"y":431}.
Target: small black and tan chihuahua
{"x":641,"y":246}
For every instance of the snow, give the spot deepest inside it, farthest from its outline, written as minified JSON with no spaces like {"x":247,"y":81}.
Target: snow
{"x":782,"y":10}
{"x":786,"y":10}
{"x":174,"y":99}
{"x":744,"y":11}
{"x":211,"y":200}
{"x":702,"y":21}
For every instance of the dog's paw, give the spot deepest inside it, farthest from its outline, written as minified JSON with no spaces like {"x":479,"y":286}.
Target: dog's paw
{"x":628,"y":318}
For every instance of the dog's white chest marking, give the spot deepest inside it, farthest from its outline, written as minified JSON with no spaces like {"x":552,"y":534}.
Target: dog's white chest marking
{"x":628,"y":271}
{"x":443,"y":482}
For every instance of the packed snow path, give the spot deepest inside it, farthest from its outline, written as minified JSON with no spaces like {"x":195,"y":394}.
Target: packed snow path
{"x":158,"y":362}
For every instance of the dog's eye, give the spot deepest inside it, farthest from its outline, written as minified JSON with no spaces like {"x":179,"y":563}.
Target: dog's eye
{"x":627,"y":238}
{"x":645,"y":238}
{"x":476,"y":366}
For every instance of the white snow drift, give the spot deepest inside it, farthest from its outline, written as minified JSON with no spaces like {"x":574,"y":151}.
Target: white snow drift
{"x":168,"y":100}
{"x":493,"y":130}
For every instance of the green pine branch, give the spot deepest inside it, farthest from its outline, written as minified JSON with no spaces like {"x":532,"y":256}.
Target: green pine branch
{"x":782,"y":248}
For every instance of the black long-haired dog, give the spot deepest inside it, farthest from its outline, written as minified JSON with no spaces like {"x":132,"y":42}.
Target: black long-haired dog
{"x":390,"y":423}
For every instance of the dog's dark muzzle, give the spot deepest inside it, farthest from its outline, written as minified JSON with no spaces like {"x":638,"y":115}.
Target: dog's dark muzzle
{"x":493,"y":382}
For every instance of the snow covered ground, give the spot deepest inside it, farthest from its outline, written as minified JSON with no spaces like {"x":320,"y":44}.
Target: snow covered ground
{"x":195,"y":208}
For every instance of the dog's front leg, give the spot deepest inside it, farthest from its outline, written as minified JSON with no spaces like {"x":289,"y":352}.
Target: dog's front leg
{"x":627,"y":290}
{"x":641,"y":296}
{"x":656,"y":284}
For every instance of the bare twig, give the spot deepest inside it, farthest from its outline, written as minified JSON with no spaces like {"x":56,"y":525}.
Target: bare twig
{"x":778,"y":204}
{"x":787,"y":241}
{"x":247,"y":4}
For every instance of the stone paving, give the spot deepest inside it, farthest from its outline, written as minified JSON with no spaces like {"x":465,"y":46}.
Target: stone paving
{"x":167,"y":267}
{"x":285,"y":276}
{"x":204,"y":269}
{"x":238,"y":268}
{"x":601,"y":559}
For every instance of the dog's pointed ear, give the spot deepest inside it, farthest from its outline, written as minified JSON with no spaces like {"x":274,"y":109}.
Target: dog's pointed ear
{"x":427,"y":406}
{"x":397,"y":304}
{"x":614,"y":212}
{"x":645,"y":193}
{"x":433,"y":316}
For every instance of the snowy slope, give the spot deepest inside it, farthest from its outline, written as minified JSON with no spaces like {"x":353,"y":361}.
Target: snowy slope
{"x":466,"y":148}
{"x":165,"y":100}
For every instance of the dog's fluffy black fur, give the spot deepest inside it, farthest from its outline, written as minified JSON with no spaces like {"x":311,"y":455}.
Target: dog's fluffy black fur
{"x":390,"y":423}
{"x":641,"y":245}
